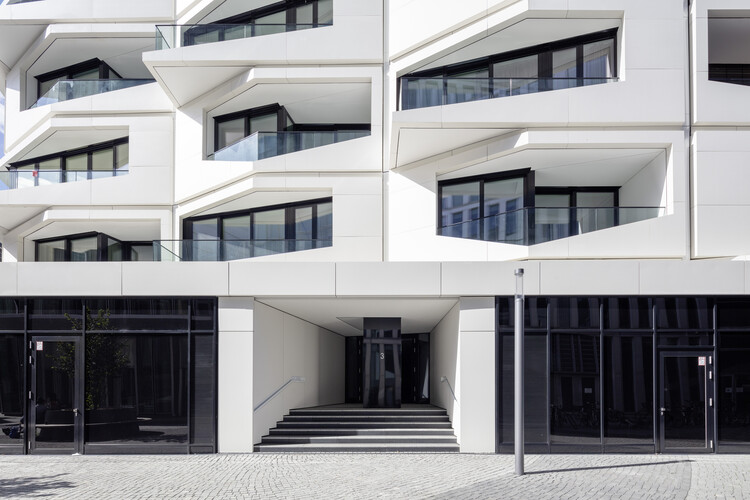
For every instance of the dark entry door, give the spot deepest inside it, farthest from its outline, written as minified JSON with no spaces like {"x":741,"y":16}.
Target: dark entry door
{"x":686,"y":402}
{"x":381,"y":352}
{"x":55,"y":411}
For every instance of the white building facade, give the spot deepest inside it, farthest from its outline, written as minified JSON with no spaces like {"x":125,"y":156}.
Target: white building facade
{"x":209,"y":209}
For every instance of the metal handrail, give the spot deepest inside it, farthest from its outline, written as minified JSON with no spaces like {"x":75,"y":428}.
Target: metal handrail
{"x":445,"y":379}
{"x":296,"y":378}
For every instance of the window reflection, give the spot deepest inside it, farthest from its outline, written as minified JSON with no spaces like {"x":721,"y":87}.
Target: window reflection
{"x":734,"y":388}
{"x":11,"y":390}
{"x":136,"y":388}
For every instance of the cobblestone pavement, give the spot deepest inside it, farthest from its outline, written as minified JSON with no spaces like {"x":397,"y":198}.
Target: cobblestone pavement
{"x":353,"y":475}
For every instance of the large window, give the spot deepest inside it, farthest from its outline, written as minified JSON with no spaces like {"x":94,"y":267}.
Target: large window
{"x":616,"y":374}
{"x":261,"y":231}
{"x":574,"y":62}
{"x":146,"y":381}
{"x":508,"y":208}
{"x":97,"y":161}
{"x":279,"y":17}
{"x":92,"y":247}
{"x":93,"y":69}
{"x":278,"y":133}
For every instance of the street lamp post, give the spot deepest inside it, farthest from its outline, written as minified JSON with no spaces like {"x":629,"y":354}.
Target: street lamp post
{"x":518,"y":378}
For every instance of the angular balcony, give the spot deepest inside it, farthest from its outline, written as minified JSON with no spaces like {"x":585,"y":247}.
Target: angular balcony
{"x":224,"y":250}
{"x":171,"y":36}
{"x":534,"y":225}
{"x":261,"y":145}
{"x":422,"y":92}
{"x":65,"y":90}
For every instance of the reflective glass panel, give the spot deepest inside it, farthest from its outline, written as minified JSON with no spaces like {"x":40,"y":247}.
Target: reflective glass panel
{"x":55,"y":314}
{"x":500,"y":197}
{"x":564,"y":68}
{"x":628,"y":312}
{"x":303,"y":228}
{"x":628,"y":390}
{"x":229,"y":132}
{"x":598,"y":61}
{"x":11,"y":390}
{"x":595,"y":211}
{"x":457,"y":203}
{"x":114,"y":250}
{"x":11,"y":314}
{"x":305,"y":14}
{"x":264,"y":123}
{"x":136,"y":389}
{"x":325,"y":11}
{"x":54,"y":373}
{"x":102,"y":163}
{"x":83,"y":249}
{"x":734,"y":388}
{"x":684,"y":313}
{"x":76,"y":167}
{"x":575,"y":312}
{"x":325,"y":221}
{"x":203,"y":392}
{"x":142,"y":253}
{"x":269,"y":231}
{"x":123,"y":157}
{"x":50,"y":251}
{"x":575,"y":389}
{"x":684,"y":400}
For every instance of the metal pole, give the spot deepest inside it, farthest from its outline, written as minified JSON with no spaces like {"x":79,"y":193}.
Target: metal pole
{"x":518,"y":378}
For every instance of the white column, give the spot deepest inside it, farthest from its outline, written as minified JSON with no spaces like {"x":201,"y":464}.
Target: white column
{"x":235,"y":374}
{"x":475,"y":380}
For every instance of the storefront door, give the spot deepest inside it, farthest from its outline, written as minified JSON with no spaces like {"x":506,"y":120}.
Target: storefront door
{"x":55,"y":411}
{"x":686,"y":402}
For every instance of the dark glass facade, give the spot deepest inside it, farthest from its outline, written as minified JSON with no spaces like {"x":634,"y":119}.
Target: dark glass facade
{"x":108,"y":375}
{"x":628,"y":374}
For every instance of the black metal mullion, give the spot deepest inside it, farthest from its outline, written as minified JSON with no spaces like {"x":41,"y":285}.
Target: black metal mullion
{"x":79,"y":384}
{"x":26,"y":376}
{"x":601,"y":373}
{"x":189,"y":375}
{"x":481,"y":210}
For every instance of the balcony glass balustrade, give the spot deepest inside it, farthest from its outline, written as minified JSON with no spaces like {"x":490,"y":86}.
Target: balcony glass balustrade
{"x":530,"y":226}
{"x":17,"y":179}
{"x":261,"y":145}
{"x":170,"y":36}
{"x":65,"y":90}
{"x":224,"y":250}
{"x":425,"y":92}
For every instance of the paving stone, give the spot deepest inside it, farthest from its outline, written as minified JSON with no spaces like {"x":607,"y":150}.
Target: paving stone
{"x":377,"y":475}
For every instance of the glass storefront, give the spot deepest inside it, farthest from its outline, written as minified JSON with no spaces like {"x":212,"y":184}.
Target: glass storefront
{"x":108,"y":375}
{"x":628,"y":374}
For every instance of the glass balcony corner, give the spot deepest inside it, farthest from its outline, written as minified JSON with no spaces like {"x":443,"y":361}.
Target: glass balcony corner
{"x":226,"y":250}
{"x":65,"y":90}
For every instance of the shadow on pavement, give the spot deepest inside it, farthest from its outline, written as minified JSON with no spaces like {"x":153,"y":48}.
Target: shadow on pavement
{"x":620,"y":466}
{"x":33,"y":486}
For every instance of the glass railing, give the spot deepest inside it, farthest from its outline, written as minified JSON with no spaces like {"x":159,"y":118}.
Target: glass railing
{"x":262,"y":145}
{"x":170,"y":36}
{"x":65,"y":90}
{"x":530,"y":226}
{"x":11,"y":2}
{"x":425,"y":92}
{"x":223,"y":250}
{"x":17,"y":179}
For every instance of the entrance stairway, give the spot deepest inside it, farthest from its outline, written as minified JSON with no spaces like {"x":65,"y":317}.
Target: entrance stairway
{"x":351,"y":428}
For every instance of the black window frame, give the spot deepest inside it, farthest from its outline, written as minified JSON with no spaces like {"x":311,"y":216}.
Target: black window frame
{"x":284,"y":122}
{"x":289,"y":228}
{"x":527,"y":174}
{"x":288,"y":6}
{"x":63,"y":156}
{"x":102,"y":246}
{"x":105,"y":72}
{"x":543,"y":51}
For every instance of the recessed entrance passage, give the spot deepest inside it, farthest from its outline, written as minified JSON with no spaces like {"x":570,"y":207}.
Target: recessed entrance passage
{"x":686,"y":402}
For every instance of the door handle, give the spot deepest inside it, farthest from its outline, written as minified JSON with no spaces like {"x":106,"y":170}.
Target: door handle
{"x":76,"y":412}
{"x":662,"y":411}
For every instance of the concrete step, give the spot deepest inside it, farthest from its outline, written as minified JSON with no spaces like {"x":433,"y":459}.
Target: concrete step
{"x":353,"y":448}
{"x":363,"y":425}
{"x":368,"y":412}
{"x":309,"y":431}
{"x":381,"y":439}
{"x":366,"y":418}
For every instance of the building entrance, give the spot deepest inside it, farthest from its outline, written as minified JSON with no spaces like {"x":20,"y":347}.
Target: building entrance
{"x":686,"y":402}
{"x":55,"y":423}
{"x":385,"y":369}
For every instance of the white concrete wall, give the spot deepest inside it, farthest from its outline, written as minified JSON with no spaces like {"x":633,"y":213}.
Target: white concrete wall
{"x":462,"y":349}
{"x":285,"y":347}
{"x":235,"y":393}
{"x":647,"y":188}
{"x":444,"y":363}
